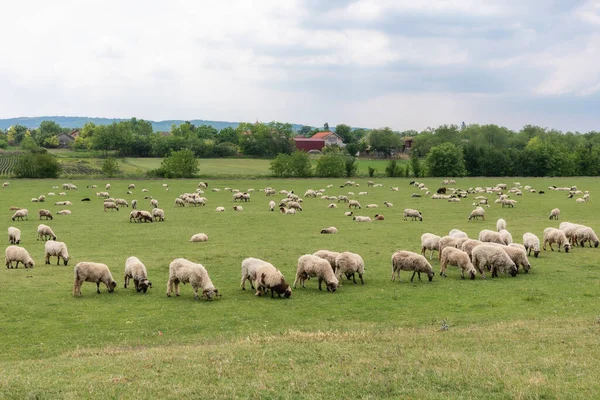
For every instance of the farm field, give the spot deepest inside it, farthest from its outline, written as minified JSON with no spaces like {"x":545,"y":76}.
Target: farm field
{"x":532,"y":336}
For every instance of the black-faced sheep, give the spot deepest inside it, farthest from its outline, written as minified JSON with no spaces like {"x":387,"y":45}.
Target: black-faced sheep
{"x":459,"y":258}
{"x":408,"y":261}
{"x":59,"y":249}
{"x":136,"y":270}
{"x":586,"y":234}
{"x":249,"y":267}
{"x":553,"y":235}
{"x":185,"y":271}
{"x":531,"y":242}
{"x":554,"y":214}
{"x":311,"y":266}
{"x":331,"y":229}
{"x":92,"y":272}
{"x":412,"y":214}
{"x":109,"y":205}
{"x":20,"y":214}
{"x":348,"y":264}
{"x":20,"y":255}
{"x":45,"y":213}
{"x":493,"y":257}
{"x":14,"y":235}
{"x":44,"y":232}
{"x":269,"y":277}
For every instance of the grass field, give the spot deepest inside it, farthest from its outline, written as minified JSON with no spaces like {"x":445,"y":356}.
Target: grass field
{"x":532,"y":336}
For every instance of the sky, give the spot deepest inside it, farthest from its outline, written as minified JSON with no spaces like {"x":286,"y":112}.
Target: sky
{"x":406,"y":64}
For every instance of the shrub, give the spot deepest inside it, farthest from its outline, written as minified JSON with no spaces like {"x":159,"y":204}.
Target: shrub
{"x":37,"y":165}
{"x":110,"y":167}
{"x":415,"y":164}
{"x":295,"y":165}
{"x":446,"y":160}
{"x":393,"y":169}
{"x":331,"y":165}
{"x":179,"y":164}
{"x":351,"y":166}
{"x":371,"y":172}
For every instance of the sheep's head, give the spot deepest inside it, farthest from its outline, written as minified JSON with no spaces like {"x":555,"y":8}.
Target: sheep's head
{"x":513,"y":270}
{"x":288,"y":292}
{"x":567,"y":247}
{"x":144,"y":285}
{"x":332,"y":287}
{"x":30,"y":263}
{"x":536,"y":253}
{"x":596,"y":243}
{"x":526,"y":268}
{"x":472,"y":274}
{"x":66,"y":260}
{"x":430,"y":274}
{"x":111,"y":286}
{"x":210,"y":293}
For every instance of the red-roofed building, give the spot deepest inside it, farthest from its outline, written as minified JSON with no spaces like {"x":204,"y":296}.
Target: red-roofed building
{"x":330,"y":138}
{"x":308,"y":144}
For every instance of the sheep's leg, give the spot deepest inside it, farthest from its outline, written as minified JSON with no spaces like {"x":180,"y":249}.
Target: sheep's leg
{"x":48,"y":259}
{"x":169,"y":287}
{"x":413,"y":275}
{"x":551,"y":247}
{"x":243,"y":284}
{"x":273,"y":294}
{"x":98,"y":287}
{"x":195,"y":291}
{"x":393,"y":274}
{"x":320,"y":281}
{"x":17,"y":264}
{"x":177,"y":287}
{"x":126,"y":279}
{"x":361,"y":279}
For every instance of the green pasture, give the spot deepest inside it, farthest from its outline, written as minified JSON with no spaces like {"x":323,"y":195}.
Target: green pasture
{"x":532,"y":336}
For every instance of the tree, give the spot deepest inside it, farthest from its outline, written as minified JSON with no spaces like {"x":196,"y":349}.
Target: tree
{"x":16,"y":133}
{"x":36,"y":165}
{"x":351,"y":166}
{"x":385,"y":141}
{"x":345,"y":132}
{"x":110,"y":167}
{"x":393,"y":169}
{"x":415,"y":164}
{"x":305,"y":131}
{"x":326,"y":127}
{"x":446,"y":160}
{"x":179,"y":164}
{"x":295,"y":165}
{"x":332,"y":165}
{"x":3,"y":141}
{"x":47,"y":130}
{"x":28,"y":144}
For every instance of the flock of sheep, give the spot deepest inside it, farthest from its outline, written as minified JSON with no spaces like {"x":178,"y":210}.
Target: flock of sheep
{"x":492,"y":251}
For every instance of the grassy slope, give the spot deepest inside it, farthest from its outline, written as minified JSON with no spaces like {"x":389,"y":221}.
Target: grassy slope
{"x":532,"y":336}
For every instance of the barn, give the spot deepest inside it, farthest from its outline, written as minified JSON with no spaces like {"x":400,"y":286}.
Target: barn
{"x":308,"y":144}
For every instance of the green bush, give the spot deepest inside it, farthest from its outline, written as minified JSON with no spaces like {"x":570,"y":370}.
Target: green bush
{"x":36,"y":165}
{"x":393,"y":169}
{"x":296,"y":165}
{"x":179,"y":164}
{"x":371,"y":172}
{"x":110,"y":167}
{"x":331,"y":165}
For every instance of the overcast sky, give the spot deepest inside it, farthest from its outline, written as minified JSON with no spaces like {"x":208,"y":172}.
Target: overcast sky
{"x":407,"y":64}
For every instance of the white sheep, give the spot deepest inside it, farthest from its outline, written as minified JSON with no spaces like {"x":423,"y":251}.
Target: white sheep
{"x":459,"y":258}
{"x":505,"y":236}
{"x":569,"y":229}
{"x":403,"y":260}
{"x":154,"y":203}
{"x":185,"y":271}
{"x":371,"y":206}
{"x":553,"y":235}
{"x":388,"y":204}
{"x":294,"y":205}
{"x":330,"y":256}
{"x":287,"y":210}
{"x":44,"y":232}
{"x":45,"y":213}
{"x":554,"y":214}
{"x":136,"y":270}
{"x":500,"y":225}
{"x":249,"y":267}
{"x":58,"y":249}
{"x":430,"y":242}
{"x":354,"y":203}
{"x":332,"y":205}
{"x":18,"y":254}
{"x":348,"y":264}
{"x":238,"y":208}
{"x":95,"y":273}
{"x":178,"y":202}
{"x":121,"y":202}
{"x":311,"y":266}
{"x":448,"y":241}
{"x":586,"y":234}
{"x":14,"y":235}
{"x":477,"y":213}
{"x":63,"y":203}
{"x":64,"y":212}
{"x":134,"y":204}
{"x":360,"y":218}
{"x":487,"y":235}
{"x":20,"y":214}
{"x":331,"y":229}
{"x":413,"y":214}
{"x":531,"y":242}
{"x":348,"y":213}
{"x":220,"y":209}
{"x":269,"y":277}
{"x":457,"y":233}
{"x":493,"y":257}
{"x":468,"y":246}
{"x":109,"y":205}
{"x":158,"y":214}
{"x":199,"y":237}
{"x":272,"y":205}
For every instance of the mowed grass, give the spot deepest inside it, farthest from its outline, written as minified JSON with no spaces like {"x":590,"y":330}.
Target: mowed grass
{"x":533,"y":336}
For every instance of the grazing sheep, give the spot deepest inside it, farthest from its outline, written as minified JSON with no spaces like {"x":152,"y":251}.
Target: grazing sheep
{"x":269,"y":277}
{"x":121,"y":202}
{"x":63,"y":203}
{"x":553,"y":235}
{"x":220,"y":209}
{"x":354,"y":203}
{"x":185,"y":271}
{"x":238,"y":208}
{"x":343,"y":198}
{"x":14,"y":208}
{"x":133,"y":204}
{"x":476,"y":213}
{"x":154,"y":203}
{"x":332,"y":205}
{"x":64,"y":212}
{"x":109,"y":205}
{"x":403,"y":260}
{"x":501,"y":224}
{"x":58,"y":249}
{"x":331,"y":229}
{"x":14,"y":235}
{"x":287,"y":210}
{"x":388,"y":204}
{"x":490,"y":236}
{"x":468,"y":246}
{"x":250,"y":266}
{"x":158,"y":214}
{"x":519,"y":256}
{"x":311,"y":266}
{"x":457,"y":233}
{"x":294,"y":205}
{"x":330,"y":256}
{"x":45,"y":213}
{"x":493,"y":257}
{"x":178,"y":202}
{"x":199,"y":237}
{"x":379,"y":217}
{"x":554,"y":214}
{"x":5,"y":184}
{"x":447,"y":241}
{"x":508,"y":202}
{"x":579,"y":200}
{"x":459,"y":258}
{"x":430,"y":242}
{"x":41,"y":199}
{"x":18,"y":254}
{"x":133,"y":216}
{"x":360,"y":218}
{"x":20,"y":214}
{"x":372,"y":206}
{"x":569,"y":229}
{"x":272,"y":205}
{"x":586,"y":234}
{"x":92,"y":272}
{"x":505,"y":236}
{"x":531,"y":242}
{"x":348,"y":264}
{"x":144,"y":216}
{"x":45,"y":232}
{"x":413,"y":214}
{"x":136,"y":270}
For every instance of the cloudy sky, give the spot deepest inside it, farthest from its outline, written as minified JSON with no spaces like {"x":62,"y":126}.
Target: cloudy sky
{"x":407,"y":64}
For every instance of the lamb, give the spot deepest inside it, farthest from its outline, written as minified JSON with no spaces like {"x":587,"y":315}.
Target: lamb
{"x":249,"y":268}
{"x":310,"y":266}
{"x":457,"y":233}
{"x":379,"y":217}
{"x":330,"y":256}
{"x":220,"y":209}
{"x":14,"y":235}
{"x":136,"y":270}
{"x":586,"y":234}
{"x":354,"y":203}
{"x":431,"y":242}
{"x":487,"y":235}
{"x":269,"y":277}
{"x":493,"y":257}
{"x":331,"y":229}
{"x":185,"y":271}
{"x":505,"y":236}
{"x":238,"y":208}
{"x":20,"y":214}
{"x":531,"y":242}
{"x":45,"y":213}
{"x":58,"y":249}
{"x":500,"y":225}
{"x":459,"y":258}
{"x":554,"y":214}
{"x":92,"y":272}
{"x":403,"y":260}
{"x":45,"y":232}
{"x":158,"y":214}
{"x":476,"y":213}
{"x":109,"y":205}
{"x":360,"y":218}
{"x":349,"y":263}
{"x":272,"y":205}
{"x":199,"y":237}
{"x":20,"y":255}
{"x":413,"y":214}
{"x":553,"y":235}
{"x":388,"y":204}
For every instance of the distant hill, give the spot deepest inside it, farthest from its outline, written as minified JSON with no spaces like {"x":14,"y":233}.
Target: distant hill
{"x":78,"y":122}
